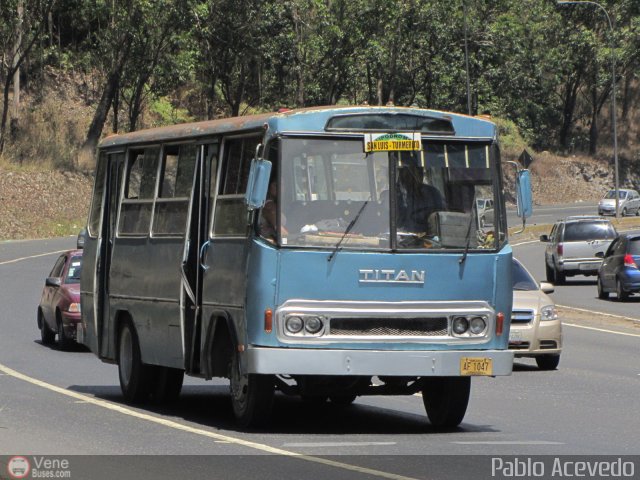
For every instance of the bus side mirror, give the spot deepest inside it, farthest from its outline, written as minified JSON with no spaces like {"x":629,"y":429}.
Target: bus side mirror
{"x":258,"y":183}
{"x":523,"y":194}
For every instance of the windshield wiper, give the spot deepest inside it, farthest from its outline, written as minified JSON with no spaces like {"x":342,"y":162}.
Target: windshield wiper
{"x":347,"y":231}
{"x":466,"y":248}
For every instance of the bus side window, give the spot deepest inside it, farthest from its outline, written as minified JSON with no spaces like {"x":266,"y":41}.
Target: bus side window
{"x":231,"y":212}
{"x":176,"y":178}
{"x":135,"y":212}
{"x":98,"y":194}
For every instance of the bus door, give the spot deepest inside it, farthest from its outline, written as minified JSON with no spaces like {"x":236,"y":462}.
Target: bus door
{"x":196,"y":242}
{"x":113,"y":181}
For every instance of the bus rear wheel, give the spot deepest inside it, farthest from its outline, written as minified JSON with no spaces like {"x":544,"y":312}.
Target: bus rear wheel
{"x":445,"y":400}
{"x":251,"y":395}
{"x":135,"y":376}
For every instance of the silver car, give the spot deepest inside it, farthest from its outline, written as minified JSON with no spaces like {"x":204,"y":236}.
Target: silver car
{"x":536,"y":329}
{"x":628,"y":202}
{"x":574,"y":245}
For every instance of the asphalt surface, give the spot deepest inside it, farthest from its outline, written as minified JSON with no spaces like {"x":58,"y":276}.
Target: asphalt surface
{"x":65,"y":404}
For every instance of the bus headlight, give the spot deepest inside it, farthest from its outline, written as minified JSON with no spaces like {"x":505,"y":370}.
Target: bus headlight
{"x":477,"y":325}
{"x":294,"y":324}
{"x":460,"y":325}
{"x":312,"y":324}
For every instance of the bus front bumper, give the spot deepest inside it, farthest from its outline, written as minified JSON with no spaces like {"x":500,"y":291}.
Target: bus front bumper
{"x":298,"y":361}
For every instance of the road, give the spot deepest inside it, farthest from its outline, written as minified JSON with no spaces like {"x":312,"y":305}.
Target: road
{"x":546,"y":214}
{"x":68,"y":403}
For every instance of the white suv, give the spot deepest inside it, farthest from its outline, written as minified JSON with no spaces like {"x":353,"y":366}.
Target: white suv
{"x":573,"y":244}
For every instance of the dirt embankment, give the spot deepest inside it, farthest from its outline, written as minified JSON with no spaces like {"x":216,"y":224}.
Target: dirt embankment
{"x":42,"y":204}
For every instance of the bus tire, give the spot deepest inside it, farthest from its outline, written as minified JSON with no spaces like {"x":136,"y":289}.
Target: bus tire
{"x":168,"y":384}
{"x":135,"y":376}
{"x":445,"y":400}
{"x":251,"y":395}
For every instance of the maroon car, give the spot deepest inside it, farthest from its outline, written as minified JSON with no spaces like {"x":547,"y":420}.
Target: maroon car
{"x":59,"y":308}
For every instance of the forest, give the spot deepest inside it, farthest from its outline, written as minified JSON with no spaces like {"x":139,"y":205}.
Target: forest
{"x":539,"y":68}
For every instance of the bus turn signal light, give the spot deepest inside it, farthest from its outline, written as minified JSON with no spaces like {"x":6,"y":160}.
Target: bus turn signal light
{"x":268,"y":320}
{"x":499,"y":323}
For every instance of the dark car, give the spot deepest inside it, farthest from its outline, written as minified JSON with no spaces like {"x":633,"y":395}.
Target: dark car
{"x":59,"y":308}
{"x":619,"y":271}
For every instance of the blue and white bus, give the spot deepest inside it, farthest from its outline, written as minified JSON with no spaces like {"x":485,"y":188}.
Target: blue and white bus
{"x":327,"y":252}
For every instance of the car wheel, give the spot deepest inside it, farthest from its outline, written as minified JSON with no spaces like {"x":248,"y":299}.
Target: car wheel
{"x":548,"y":362}
{"x":551,"y":276}
{"x":135,"y":376}
{"x":620,"y":293}
{"x":342,"y":400}
{"x":64,"y":342}
{"x":638,"y":212}
{"x":561,"y":278}
{"x":445,"y":400}
{"x":47,"y":336}
{"x":251,"y":395}
{"x":601,"y":293}
{"x":624,"y":212}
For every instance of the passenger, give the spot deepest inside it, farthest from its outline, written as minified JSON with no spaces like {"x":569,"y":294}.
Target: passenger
{"x":416,"y":200}
{"x":269,"y":215}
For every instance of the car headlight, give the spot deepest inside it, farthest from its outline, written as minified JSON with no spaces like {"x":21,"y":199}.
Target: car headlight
{"x":74,"y":308}
{"x":548,"y":312}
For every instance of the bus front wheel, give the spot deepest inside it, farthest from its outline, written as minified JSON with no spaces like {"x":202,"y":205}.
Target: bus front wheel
{"x":135,"y":376}
{"x":251,"y":395}
{"x":445,"y":400}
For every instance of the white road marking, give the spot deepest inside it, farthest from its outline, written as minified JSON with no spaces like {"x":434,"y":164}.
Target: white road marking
{"x":599,"y":313}
{"x":198,"y":431}
{"x":15,"y":260}
{"x":337,"y":444}
{"x":601,"y":330}
{"x":507,"y":442}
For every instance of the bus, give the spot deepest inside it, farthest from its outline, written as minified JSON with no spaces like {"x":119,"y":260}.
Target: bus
{"x":375,"y":277}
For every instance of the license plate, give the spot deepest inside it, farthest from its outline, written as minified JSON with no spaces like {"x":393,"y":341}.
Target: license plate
{"x":476,"y":366}
{"x":515,"y":336}
{"x":589,"y":266}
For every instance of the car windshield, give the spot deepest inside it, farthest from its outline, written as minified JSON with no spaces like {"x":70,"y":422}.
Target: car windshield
{"x":612,"y":194}
{"x":634,"y":246}
{"x":584,"y":231}
{"x":75,"y":267}
{"x":421,"y":199}
{"x":522,"y":280}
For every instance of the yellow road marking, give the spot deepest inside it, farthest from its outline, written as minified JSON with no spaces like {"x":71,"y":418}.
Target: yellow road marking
{"x":197,"y":431}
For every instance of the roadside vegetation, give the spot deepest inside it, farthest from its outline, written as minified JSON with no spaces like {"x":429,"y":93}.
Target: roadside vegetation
{"x":73,"y":71}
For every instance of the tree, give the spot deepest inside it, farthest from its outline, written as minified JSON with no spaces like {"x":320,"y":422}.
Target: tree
{"x":21,"y":25}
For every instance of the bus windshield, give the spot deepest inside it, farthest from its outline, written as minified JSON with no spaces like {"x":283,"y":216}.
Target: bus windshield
{"x":331,"y":191}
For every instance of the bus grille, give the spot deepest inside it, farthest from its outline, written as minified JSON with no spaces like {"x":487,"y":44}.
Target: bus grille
{"x":383,"y":327}
{"x":522,"y":316}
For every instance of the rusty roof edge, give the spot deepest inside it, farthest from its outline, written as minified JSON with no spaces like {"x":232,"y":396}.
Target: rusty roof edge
{"x":205,"y":128}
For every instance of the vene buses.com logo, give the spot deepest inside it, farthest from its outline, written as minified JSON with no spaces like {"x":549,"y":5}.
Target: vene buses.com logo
{"x":18,"y":467}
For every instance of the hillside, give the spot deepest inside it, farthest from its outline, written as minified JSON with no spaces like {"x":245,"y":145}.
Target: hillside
{"x":43,"y":193}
